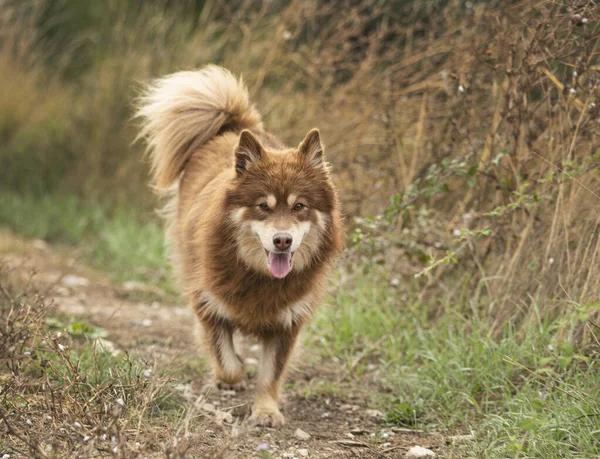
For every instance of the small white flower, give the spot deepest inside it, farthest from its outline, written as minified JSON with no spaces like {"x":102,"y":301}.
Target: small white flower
{"x":116,"y":449}
{"x":28,"y":422}
{"x":461,"y":88}
{"x":148,"y":373}
{"x":584,"y":20}
{"x":113,"y":440}
{"x":87,"y":438}
{"x":120,"y":402}
{"x":137,"y":444}
{"x":103,"y":437}
{"x":61,"y":347}
{"x":572,"y":91}
{"x":437,"y":244}
{"x":59,"y":334}
{"x":550,"y":260}
{"x":550,"y":348}
{"x":77,"y":425}
{"x":385,"y":435}
{"x":395,"y":282}
{"x":456,"y":233}
{"x":26,"y":353}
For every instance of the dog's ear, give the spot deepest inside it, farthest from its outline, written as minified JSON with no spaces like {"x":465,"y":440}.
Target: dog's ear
{"x":248,"y":151}
{"x":311,"y":149}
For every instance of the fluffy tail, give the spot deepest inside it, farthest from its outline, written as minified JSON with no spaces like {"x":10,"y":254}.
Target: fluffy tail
{"x":183,"y":111}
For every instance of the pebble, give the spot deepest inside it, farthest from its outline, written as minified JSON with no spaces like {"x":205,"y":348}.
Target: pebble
{"x":208,"y":407}
{"x":223,"y":416}
{"x":374,"y":413}
{"x":75,"y":281}
{"x":461,"y":438}
{"x":303,"y":452}
{"x":301,"y":434}
{"x":417,"y":451}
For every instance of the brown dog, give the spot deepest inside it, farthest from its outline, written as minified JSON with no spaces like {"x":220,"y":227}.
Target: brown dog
{"x":254,"y":226}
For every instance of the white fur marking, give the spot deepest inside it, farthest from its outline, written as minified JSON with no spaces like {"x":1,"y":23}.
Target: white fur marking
{"x":266,"y":231}
{"x":231,"y":363}
{"x":213,"y":306}
{"x":296,"y":311}
{"x":266,"y":365}
{"x":271,"y":201}
{"x":237,"y":215}
{"x":291,"y":199}
{"x":320,"y":219}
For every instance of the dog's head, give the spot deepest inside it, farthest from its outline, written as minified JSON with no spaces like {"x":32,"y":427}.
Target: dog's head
{"x":281,"y":204}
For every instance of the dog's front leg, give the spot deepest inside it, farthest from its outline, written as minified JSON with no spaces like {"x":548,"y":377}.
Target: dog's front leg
{"x":277,"y":348}
{"x":227,"y":365}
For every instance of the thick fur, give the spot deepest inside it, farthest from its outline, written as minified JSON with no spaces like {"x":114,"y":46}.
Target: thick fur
{"x":232,"y":187}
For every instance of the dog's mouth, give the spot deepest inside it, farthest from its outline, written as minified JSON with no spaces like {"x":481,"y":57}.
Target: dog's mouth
{"x":280,"y":263}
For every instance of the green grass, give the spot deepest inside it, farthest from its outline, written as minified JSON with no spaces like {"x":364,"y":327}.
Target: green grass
{"x":526,"y":394}
{"x":126,"y":242}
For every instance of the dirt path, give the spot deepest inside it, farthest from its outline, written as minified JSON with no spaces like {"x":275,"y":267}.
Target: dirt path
{"x":339,"y":425}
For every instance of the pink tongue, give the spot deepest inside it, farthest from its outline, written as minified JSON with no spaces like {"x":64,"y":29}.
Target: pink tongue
{"x":280,"y":264}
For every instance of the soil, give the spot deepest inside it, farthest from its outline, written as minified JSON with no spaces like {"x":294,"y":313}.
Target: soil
{"x":340,"y":424}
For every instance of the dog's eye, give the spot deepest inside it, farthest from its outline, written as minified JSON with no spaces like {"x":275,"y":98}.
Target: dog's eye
{"x":264,"y":206}
{"x":299,"y":206}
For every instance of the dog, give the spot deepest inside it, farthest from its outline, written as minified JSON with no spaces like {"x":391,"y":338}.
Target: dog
{"x":254,"y":226}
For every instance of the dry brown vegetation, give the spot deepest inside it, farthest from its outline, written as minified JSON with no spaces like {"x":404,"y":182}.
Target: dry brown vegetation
{"x":471,"y":116}
{"x":464,"y":137}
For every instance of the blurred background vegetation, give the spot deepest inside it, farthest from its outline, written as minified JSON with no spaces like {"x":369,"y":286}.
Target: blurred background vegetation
{"x":463,"y":134}
{"x":464,"y":138}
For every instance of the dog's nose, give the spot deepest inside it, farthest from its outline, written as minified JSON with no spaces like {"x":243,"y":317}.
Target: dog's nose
{"x":282,"y":241}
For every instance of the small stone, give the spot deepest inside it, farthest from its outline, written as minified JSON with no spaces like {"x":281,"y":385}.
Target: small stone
{"x":350,"y":435}
{"x":75,"y":281}
{"x":303,"y":452}
{"x":228,"y":393}
{"x":147,"y":373}
{"x":301,"y":434}
{"x":346,"y":407}
{"x":374,"y":413}
{"x":387,"y":445}
{"x":326,"y":414}
{"x":461,"y":438}
{"x":223,"y":416}
{"x":417,"y":451}
{"x":40,"y":245}
{"x":208,"y":407}
{"x":262,"y":447}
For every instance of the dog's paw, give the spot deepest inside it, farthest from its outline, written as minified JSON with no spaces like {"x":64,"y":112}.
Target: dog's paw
{"x":266,"y":417}
{"x":238,"y":386}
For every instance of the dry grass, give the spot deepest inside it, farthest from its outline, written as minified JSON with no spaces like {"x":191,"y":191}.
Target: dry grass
{"x":479,"y":119}
{"x":68,"y":395}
